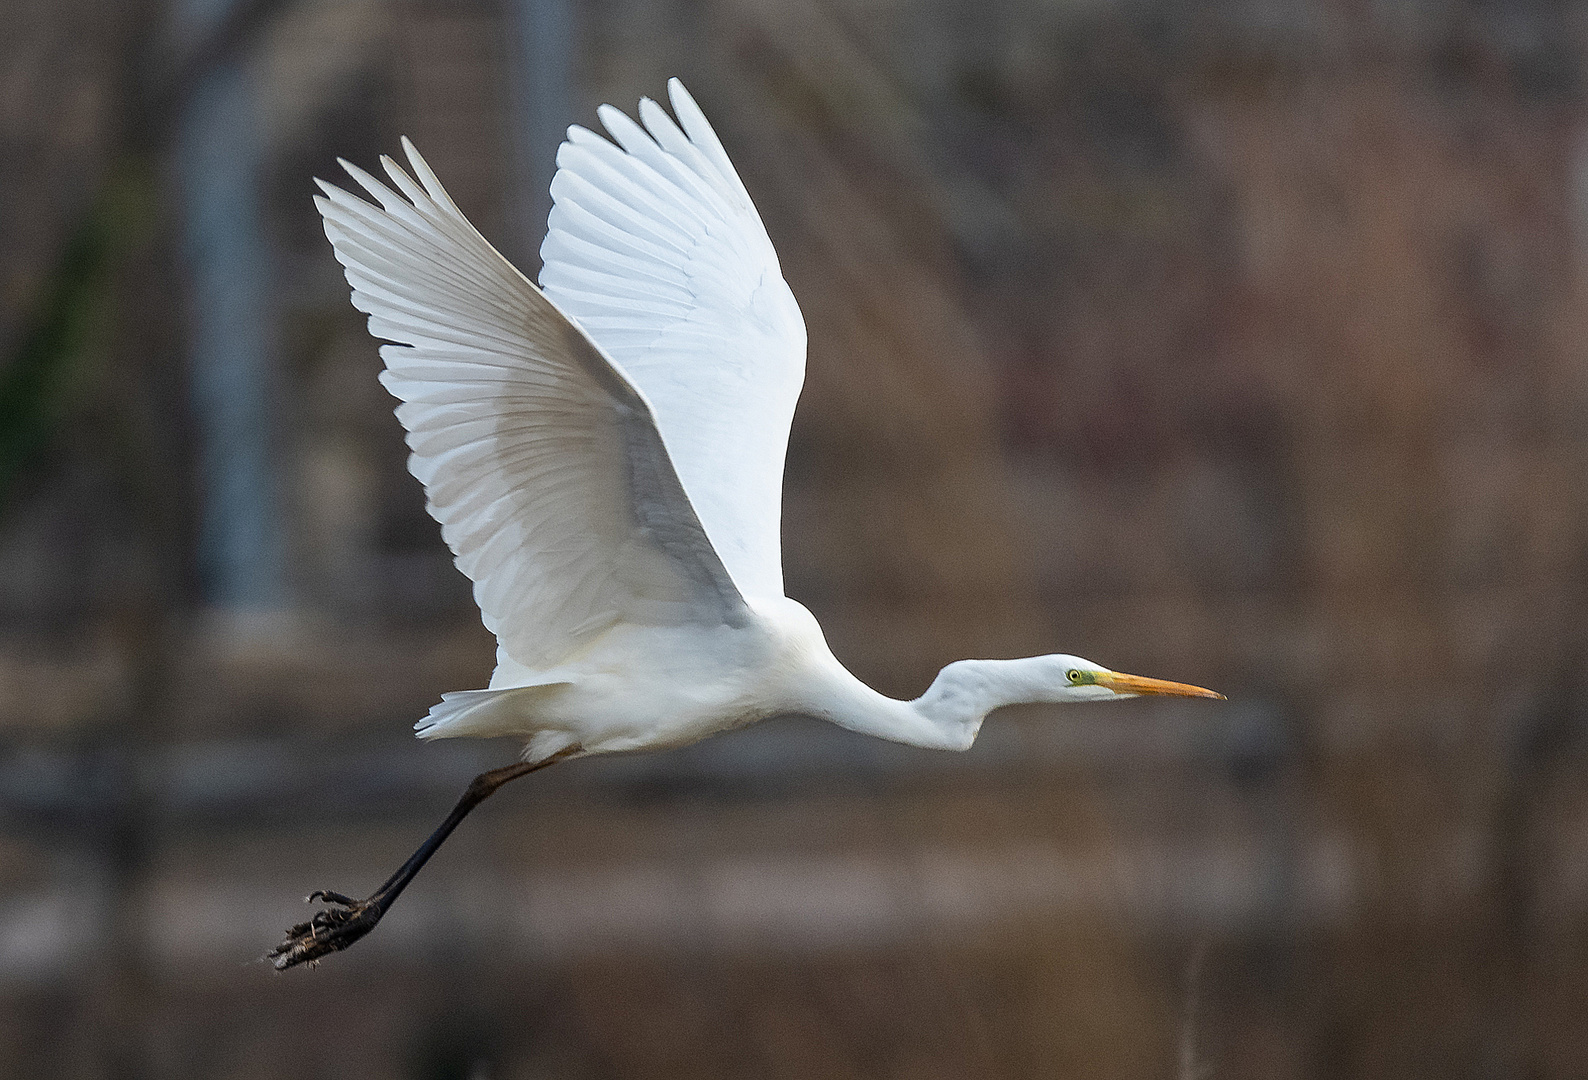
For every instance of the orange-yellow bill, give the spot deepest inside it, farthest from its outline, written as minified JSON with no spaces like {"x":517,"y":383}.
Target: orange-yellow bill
{"x":1121,"y":683}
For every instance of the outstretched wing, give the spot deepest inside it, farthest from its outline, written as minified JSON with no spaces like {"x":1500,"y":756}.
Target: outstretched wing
{"x":656,"y":249}
{"x":540,"y":459}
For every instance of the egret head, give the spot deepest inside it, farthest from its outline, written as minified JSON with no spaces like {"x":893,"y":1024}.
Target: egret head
{"x":1074,"y":679}
{"x":965,"y":691}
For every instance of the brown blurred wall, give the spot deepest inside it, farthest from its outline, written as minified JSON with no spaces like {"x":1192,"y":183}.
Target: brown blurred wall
{"x":1241,"y":345}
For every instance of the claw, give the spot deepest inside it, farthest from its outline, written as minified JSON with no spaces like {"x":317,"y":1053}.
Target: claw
{"x":329,"y":931}
{"x":330,"y":897}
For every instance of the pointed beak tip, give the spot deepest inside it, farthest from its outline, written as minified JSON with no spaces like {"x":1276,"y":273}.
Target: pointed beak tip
{"x":1137,"y":684}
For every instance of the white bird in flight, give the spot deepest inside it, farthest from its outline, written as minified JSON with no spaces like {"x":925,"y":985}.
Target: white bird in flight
{"x":605,"y":456}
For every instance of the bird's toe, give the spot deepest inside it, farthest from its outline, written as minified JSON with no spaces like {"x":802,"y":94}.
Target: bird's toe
{"x":330,"y":898}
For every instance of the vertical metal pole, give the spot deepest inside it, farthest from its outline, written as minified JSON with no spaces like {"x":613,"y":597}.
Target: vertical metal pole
{"x":240,"y":544}
{"x":542,"y":97}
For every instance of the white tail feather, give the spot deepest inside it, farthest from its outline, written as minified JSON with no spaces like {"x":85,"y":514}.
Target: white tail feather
{"x":483,"y":713}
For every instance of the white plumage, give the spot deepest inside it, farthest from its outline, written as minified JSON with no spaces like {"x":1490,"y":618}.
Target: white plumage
{"x":605,"y":453}
{"x":605,"y":458}
{"x":656,"y":250}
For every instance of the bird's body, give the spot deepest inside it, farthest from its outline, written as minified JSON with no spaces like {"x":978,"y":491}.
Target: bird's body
{"x":655,"y":688}
{"x":604,"y":454}
{"x":647,"y":687}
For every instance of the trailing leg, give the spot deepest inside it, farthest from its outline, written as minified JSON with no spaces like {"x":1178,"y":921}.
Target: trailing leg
{"x":335,"y":928}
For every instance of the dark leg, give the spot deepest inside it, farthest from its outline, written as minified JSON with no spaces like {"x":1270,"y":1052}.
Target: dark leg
{"x":335,"y":929}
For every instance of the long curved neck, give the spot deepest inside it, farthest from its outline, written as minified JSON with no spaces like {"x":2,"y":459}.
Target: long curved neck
{"x":949,"y":715}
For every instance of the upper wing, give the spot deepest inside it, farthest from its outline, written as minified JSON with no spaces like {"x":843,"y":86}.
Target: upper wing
{"x":539,"y":459}
{"x":656,"y":249}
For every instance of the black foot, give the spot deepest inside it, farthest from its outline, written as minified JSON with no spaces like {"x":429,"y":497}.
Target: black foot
{"x":329,"y":931}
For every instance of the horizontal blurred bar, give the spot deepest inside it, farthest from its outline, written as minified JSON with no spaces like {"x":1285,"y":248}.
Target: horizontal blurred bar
{"x":779,"y":901}
{"x":219,"y":780}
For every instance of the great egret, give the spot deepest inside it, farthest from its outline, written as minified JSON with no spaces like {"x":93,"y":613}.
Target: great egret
{"x":605,"y":456}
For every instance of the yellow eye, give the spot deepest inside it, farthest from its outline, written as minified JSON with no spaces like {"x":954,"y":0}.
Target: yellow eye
{"x":1074,"y":675}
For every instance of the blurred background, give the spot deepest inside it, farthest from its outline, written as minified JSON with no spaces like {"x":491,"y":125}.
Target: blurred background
{"x":1239,"y":344}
